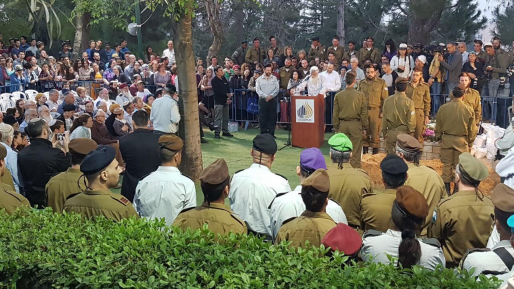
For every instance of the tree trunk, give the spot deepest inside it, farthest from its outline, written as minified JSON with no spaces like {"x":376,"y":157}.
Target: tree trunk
{"x":189,"y":130}
{"x":340,"y":22}
{"x":81,"y":34}
{"x":238,"y":25}
{"x":213,"y":15}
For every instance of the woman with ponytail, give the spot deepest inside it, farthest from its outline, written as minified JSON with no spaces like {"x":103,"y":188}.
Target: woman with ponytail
{"x":408,"y":214}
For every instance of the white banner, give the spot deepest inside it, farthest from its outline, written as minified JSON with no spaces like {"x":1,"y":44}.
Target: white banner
{"x":305,"y":110}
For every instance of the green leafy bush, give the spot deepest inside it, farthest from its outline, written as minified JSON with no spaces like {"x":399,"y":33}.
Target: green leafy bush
{"x":46,"y":250}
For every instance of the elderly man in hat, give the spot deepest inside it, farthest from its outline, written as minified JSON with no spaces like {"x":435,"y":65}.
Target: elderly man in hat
{"x":409,"y":212}
{"x":102,"y":173}
{"x":290,"y":205}
{"x":314,"y":83}
{"x":314,"y":223}
{"x":165,"y":192}
{"x":252,"y":190}
{"x":422,"y":178}
{"x":419,"y":92}
{"x":463,"y":220}
{"x":10,"y":199}
{"x":65,"y":184}
{"x":125,"y":95}
{"x":215,"y":183}
{"x":165,"y":115}
{"x":347,"y":184}
{"x":499,"y":258}
{"x":376,"y":209}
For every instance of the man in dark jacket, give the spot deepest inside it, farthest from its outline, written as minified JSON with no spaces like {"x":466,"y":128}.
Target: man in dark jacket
{"x":140,"y":151}
{"x":40,"y":161}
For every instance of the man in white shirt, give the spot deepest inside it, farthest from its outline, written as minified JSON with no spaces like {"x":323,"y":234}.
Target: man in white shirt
{"x":354,"y":66}
{"x":462,"y":49}
{"x":165,"y":115}
{"x":169,"y":53}
{"x":142,"y":92}
{"x":53,"y":100}
{"x":124,"y":95}
{"x":103,"y":95}
{"x":165,"y":192}
{"x":314,"y":84}
{"x":267,"y":88}
{"x":331,"y":83}
{"x":11,"y":160}
{"x":253,"y":189}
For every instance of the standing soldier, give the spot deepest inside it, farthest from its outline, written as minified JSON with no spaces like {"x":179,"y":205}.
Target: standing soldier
{"x":375,"y":92}
{"x":370,"y":52}
{"x":455,"y":126}
{"x":351,"y":51}
{"x":463,"y":220}
{"x":285,"y":73}
{"x":419,"y":92}
{"x":255,"y":54}
{"x":10,"y":199}
{"x":471,"y":98}
{"x":399,"y":115}
{"x":239,"y":55}
{"x":351,"y":116}
{"x":337,"y":50}
{"x":215,"y":183}
{"x":277,"y":50}
{"x":317,"y":50}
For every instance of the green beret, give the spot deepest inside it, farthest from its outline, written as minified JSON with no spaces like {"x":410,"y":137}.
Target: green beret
{"x":340,"y":142}
{"x":473,"y":167}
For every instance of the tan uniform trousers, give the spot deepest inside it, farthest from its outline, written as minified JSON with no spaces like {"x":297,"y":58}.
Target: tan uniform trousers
{"x":353,"y":129}
{"x":391,"y":138}
{"x":420,"y":125}
{"x":451,"y":148}
{"x":375,"y":125}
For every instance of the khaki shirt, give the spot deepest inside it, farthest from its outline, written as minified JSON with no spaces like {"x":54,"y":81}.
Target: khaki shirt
{"x":310,"y":226}
{"x":10,"y":200}
{"x":375,"y":211}
{"x":316,"y":52}
{"x":348,"y":55}
{"x":350,"y":105}
{"x":338,"y":53}
{"x":7,"y":180}
{"x":373,"y":54}
{"x":455,"y":118}
{"x":255,"y":55}
{"x":472,"y":99}
{"x":60,"y":187}
{"x":375,"y":92}
{"x":461,"y":222}
{"x":428,"y":182}
{"x":220,"y":219}
{"x":420,"y":95}
{"x":277,"y":51}
{"x":347,"y":187}
{"x":285,"y":74}
{"x":398,"y":112}
{"x":91,"y":204}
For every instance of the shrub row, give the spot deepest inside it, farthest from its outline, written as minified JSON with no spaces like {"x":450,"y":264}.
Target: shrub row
{"x":46,"y":250}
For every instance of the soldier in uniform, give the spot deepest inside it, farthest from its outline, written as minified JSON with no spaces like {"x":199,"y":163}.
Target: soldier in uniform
{"x":317,"y":50}
{"x":60,"y":187}
{"x":455,"y":125}
{"x":375,"y":92}
{"x":351,"y":51}
{"x":350,"y":116}
{"x":277,"y":50}
{"x":239,"y":55}
{"x":370,"y":52}
{"x":10,"y":200}
{"x":498,"y":259}
{"x":347,"y":184}
{"x":102,"y":173}
{"x":290,"y":205}
{"x":314,"y":223}
{"x":399,"y":115}
{"x":471,"y":98}
{"x":464,"y":219}
{"x":375,"y":210}
{"x":253,"y":189}
{"x":337,"y":50}
{"x":410,"y":209}
{"x":419,"y":92}
{"x":255,"y":54}
{"x":285,"y":73}
{"x":215,"y":183}
{"x":422,"y":178}
{"x":332,"y":60}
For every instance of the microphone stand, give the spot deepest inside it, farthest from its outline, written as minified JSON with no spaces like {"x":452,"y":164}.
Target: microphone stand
{"x":288,"y":143}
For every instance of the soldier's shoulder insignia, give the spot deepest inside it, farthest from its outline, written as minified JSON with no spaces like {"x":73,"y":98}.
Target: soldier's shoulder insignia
{"x":432,"y":242}
{"x":281,"y":176}
{"x":121,"y":199}
{"x":13,"y":194}
{"x":371,"y":233}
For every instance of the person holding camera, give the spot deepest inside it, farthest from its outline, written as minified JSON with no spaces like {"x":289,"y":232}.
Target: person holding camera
{"x":452,"y":62}
{"x":496,"y":63}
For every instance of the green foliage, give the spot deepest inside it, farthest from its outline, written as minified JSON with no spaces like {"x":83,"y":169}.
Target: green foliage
{"x":469,"y":21}
{"x":504,"y":27}
{"x":45,"y":250}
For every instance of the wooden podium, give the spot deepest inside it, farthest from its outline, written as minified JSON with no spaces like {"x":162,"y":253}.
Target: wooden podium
{"x":308,"y":121}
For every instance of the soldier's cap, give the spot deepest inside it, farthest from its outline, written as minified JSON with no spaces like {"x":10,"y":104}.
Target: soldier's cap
{"x":171,"y":142}
{"x":471,"y":166}
{"x":318,"y":180}
{"x":412,"y":202}
{"x":408,"y":143}
{"x":68,"y":107}
{"x":488,"y":44}
{"x":244,"y":42}
{"x":402,"y":46}
{"x":113,"y":107}
{"x":315,"y":38}
{"x":82,"y":146}
{"x":510,"y":223}
{"x":340,"y":142}
{"x":97,"y":160}
{"x":122,"y":86}
{"x":394,"y":165}
{"x":3,"y":152}
{"x":312,"y":159}
{"x":265,"y":143}
{"x":256,"y":39}
{"x":422,"y":58}
{"x":503,"y":198}
{"x":401,"y":80}
{"x":170,"y":88}
{"x":216,"y":173}
{"x":343,"y":238}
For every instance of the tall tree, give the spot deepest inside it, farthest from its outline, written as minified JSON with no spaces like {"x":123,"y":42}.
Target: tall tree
{"x":504,"y":28}
{"x":340,"y":21}
{"x":468,"y":16}
{"x":213,"y":9}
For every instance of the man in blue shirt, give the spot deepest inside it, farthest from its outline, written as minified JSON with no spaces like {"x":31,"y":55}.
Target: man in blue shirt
{"x":23,"y":44}
{"x":124,"y":49}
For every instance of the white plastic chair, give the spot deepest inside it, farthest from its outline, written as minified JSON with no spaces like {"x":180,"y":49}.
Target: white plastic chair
{"x":5,"y":96}
{"x":18,"y":95}
{"x":6,"y":103}
{"x":31,"y":94}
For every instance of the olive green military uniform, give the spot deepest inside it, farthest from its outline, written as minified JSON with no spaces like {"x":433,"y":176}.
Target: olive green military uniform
{"x":8,"y":181}
{"x":373,"y":54}
{"x":310,"y":226}
{"x":472,"y":99}
{"x":338,"y":52}
{"x":10,"y":200}
{"x":421,"y":97}
{"x":319,"y":51}
{"x":277,"y":51}
{"x":60,"y":187}
{"x":375,"y":92}
{"x":91,"y":204}
{"x":347,"y":187}
{"x":219,"y":218}
{"x":255,"y":55}
{"x":350,"y":117}
{"x":428,"y":182}
{"x":461,"y":222}
{"x":239,"y":56}
{"x":375,"y":211}
{"x":285,"y":74}
{"x":455,"y":125}
{"x":348,"y":55}
{"x":399,"y":117}
{"x":482,"y":55}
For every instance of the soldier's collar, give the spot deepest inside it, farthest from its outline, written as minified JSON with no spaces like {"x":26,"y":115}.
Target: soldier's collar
{"x":216,"y":206}
{"x":97,"y":192}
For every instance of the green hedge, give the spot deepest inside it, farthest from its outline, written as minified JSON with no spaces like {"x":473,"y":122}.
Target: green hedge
{"x":46,"y":250}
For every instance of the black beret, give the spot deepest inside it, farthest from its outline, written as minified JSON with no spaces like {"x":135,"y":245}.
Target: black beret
{"x":244,"y":42}
{"x":394,"y":165}
{"x":316,"y":38}
{"x":9,"y":119}
{"x":265,"y":143}
{"x":97,"y":160}
{"x":68,"y":107}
